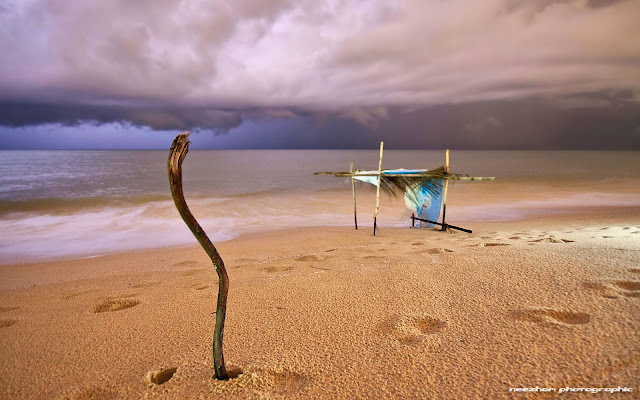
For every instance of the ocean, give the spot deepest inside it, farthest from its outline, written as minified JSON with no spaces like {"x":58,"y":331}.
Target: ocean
{"x":70,"y":204}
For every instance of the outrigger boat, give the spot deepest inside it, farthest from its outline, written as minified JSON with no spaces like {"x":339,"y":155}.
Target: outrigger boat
{"x":425,"y":191}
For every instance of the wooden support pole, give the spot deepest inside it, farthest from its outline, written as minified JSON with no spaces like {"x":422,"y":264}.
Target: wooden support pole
{"x":444,"y":196}
{"x":353,"y":191}
{"x":375,"y":214}
{"x":178,"y":152}
{"x":446,"y":161}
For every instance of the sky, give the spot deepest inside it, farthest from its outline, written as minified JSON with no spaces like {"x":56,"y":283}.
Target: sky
{"x":424,"y":74}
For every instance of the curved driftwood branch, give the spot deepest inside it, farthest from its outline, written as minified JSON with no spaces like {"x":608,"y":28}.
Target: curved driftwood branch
{"x":178,"y":152}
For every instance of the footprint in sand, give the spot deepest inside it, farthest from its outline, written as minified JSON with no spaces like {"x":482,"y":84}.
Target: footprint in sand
{"x":631,"y":288}
{"x":160,"y":376}
{"x":188,"y":263}
{"x":551,"y":239}
{"x":612,"y":290}
{"x":272,"y":269}
{"x":412,"y":329}
{"x":601,"y":289}
{"x":201,"y":286}
{"x":435,"y":250}
{"x":192,"y":272}
{"x":4,"y":323}
{"x":115,"y":304}
{"x":634,"y":270}
{"x":311,"y":257}
{"x":92,"y":392}
{"x":628,"y":285}
{"x":544,"y":316}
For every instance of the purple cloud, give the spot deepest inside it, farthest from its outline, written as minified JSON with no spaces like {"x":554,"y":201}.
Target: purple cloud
{"x":176,"y":64}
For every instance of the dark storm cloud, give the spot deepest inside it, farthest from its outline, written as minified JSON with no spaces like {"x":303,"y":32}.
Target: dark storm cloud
{"x":531,"y":123}
{"x":540,"y":5}
{"x":22,"y":114}
{"x":170,"y":64}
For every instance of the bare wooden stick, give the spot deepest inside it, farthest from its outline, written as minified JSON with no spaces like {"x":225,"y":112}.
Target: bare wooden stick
{"x":353,"y":190}
{"x":178,"y":152}
{"x":444,"y":196}
{"x":446,"y":161}
{"x":375,"y":214}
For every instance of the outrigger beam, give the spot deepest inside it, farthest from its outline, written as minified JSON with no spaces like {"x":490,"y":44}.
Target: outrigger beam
{"x":453,"y":177}
{"x":414,"y":218}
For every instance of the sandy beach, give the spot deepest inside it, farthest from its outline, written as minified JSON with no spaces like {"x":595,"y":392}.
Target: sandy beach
{"x":337,"y":313}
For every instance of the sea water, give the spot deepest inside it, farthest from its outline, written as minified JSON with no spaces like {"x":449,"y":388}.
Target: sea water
{"x":84,"y":203}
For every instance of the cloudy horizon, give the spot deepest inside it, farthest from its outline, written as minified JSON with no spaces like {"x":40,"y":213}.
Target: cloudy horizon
{"x":550,"y":74}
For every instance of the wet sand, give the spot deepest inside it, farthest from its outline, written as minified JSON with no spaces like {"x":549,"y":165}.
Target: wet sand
{"x":551,"y":302}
